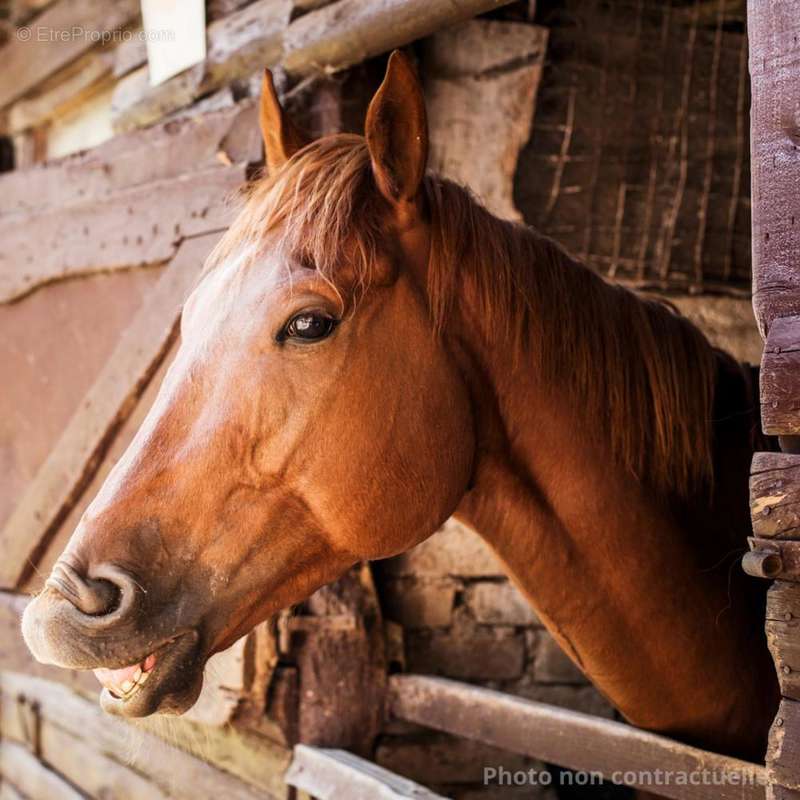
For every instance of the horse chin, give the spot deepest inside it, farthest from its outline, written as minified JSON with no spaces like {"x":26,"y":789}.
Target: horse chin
{"x":173,"y":685}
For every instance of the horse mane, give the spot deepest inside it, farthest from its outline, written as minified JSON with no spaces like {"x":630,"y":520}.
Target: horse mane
{"x":645,"y":375}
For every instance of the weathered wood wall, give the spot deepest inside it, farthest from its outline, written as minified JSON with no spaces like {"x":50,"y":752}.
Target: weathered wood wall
{"x":774,"y":29}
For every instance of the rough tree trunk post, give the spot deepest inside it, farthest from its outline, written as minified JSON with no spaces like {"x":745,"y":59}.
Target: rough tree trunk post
{"x":774,"y":33}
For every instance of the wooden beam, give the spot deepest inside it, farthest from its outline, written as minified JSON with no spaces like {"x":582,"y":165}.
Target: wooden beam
{"x":175,"y":771}
{"x":10,"y":792}
{"x":129,"y":228}
{"x":324,"y":40}
{"x":21,"y":11}
{"x":783,"y":753}
{"x":238,"y":45}
{"x":84,"y":78}
{"x":32,"y":778}
{"x":330,"y":774}
{"x":783,"y":634}
{"x":257,"y":761}
{"x":54,"y":38}
{"x":77,"y":454}
{"x":780,"y":377}
{"x":575,"y":740}
{"x":773,"y":32}
{"x":160,"y":153}
{"x":775,"y":495}
{"x":350,"y":31}
{"x":81,"y":763}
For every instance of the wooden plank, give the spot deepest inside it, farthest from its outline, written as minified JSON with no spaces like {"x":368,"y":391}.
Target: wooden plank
{"x":571,"y":739}
{"x":32,"y":778}
{"x":783,"y":603}
{"x":775,"y":495}
{"x":9,"y":792}
{"x":113,"y":395}
{"x":160,"y":153}
{"x":82,"y":80}
{"x":780,"y":378}
{"x":238,"y":45}
{"x":14,"y":653}
{"x":257,"y":761}
{"x":326,"y":39}
{"x":83,"y":764}
{"x":21,"y":11}
{"x":774,"y":507}
{"x":57,"y":36}
{"x":783,"y":634}
{"x":330,"y":774}
{"x":783,"y":753}
{"x":350,"y":31}
{"x":138,"y":226}
{"x":174,"y":770}
{"x":773,"y":31}
{"x":86,"y":764}
{"x":774,"y":39}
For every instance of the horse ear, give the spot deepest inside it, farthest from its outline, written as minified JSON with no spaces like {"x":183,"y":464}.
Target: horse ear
{"x":397,"y":133}
{"x":282,"y":139}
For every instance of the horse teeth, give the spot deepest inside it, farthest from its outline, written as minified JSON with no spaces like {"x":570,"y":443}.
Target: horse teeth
{"x":143,"y":679}
{"x":127,"y":686}
{"x":137,"y":674}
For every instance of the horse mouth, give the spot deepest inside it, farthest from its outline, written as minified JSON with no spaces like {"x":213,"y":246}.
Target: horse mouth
{"x":166,"y":680}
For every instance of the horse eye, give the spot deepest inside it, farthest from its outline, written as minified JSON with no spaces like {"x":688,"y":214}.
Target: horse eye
{"x":309,"y":327}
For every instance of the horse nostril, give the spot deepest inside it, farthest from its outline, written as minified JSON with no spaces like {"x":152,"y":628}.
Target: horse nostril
{"x":91,"y":596}
{"x":98,"y":597}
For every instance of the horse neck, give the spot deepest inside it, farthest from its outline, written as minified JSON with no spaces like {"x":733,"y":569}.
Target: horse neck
{"x":602,"y":560}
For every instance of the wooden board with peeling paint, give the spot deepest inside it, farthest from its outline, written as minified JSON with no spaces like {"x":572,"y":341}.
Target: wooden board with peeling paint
{"x":165,"y":151}
{"x":773,"y":30}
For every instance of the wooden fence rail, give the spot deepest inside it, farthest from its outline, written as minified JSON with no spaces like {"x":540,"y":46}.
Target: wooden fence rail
{"x":329,"y":774}
{"x":621,"y":753}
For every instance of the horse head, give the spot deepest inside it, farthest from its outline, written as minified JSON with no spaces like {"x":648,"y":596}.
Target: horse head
{"x":312,"y":418}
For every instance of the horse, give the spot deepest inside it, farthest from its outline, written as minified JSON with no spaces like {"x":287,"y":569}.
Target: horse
{"x":369,"y":351}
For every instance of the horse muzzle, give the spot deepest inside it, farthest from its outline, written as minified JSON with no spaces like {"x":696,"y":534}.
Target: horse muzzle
{"x":101,"y":623}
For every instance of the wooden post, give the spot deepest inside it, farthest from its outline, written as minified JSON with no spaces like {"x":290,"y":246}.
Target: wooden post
{"x":774,"y":36}
{"x":341,"y":707}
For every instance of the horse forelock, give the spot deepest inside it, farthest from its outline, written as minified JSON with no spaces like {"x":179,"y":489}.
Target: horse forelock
{"x":644,"y":374}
